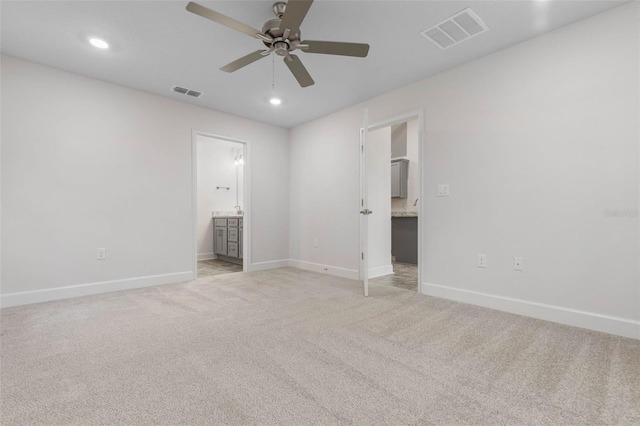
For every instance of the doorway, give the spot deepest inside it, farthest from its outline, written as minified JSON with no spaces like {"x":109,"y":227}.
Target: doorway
{"x":220,"y":204}
{"x":391,"y":220}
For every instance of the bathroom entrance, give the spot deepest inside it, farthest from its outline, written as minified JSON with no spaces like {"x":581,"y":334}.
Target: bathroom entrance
{"x":221,"y":204}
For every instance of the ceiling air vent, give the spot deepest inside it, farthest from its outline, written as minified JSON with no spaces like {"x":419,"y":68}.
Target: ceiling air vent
{"x":194,"y":93}
{"x":456,"y":29}
{"x":185,"y":91}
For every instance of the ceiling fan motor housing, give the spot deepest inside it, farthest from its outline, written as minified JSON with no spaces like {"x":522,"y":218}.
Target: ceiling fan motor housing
{"x":280,"y":44}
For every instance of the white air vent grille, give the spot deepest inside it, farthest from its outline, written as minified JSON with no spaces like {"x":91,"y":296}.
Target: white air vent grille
{"x":185,"y":91}
{"x":456,"y":29}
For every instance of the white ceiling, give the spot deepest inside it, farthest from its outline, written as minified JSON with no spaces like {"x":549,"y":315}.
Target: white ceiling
{"x":156,"y":45}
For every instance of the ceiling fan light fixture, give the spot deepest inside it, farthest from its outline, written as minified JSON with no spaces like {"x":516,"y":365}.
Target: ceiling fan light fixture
{"x":275,"y":101}
{"x":99,"y":43}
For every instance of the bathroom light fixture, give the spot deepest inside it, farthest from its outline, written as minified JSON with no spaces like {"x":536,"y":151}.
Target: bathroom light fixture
{"x":99,"y":43}
{"x":275,"y":101}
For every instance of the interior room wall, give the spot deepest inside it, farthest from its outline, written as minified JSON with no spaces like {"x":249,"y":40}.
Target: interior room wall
{"x":324,"y":194}
{"x":216,"y":172}
{"x":399,"y":140}
{"x":378,"y":158}
{"x":88,"y":164}
{"x":413,"y":171}
{"x":537,"y":143}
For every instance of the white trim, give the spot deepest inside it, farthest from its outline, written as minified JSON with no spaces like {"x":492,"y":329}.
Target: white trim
{"x":325,"y":269}
{"x":272,"y":264}
{"x":574,"y":317}
{"x":207,"y":256}
{"x":380,"y":271}
{"x":396,"y":119}
{"x":67,"y":292}
{"x":246,"y":179}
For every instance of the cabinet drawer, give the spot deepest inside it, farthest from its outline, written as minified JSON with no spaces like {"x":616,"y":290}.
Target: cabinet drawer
{"x":232,"y":222}
{"x":233,"y":250}
{"x":233,"y":235}
{"x":220,"y":222}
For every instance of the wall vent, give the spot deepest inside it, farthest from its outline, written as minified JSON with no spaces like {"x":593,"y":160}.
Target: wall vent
{"x":185,"y":91}
{"x":455,"y":29}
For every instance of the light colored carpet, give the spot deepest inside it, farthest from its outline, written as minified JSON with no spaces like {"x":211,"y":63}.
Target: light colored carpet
{"x":295,"y":347}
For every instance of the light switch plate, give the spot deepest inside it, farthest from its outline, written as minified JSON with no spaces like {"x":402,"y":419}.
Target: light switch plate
{"x":482,"y":260}
{"x":443,"y":190}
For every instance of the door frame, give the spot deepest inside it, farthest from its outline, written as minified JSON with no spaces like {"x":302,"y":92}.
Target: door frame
{"x":246,"y":198}
{"x":417,"y":114}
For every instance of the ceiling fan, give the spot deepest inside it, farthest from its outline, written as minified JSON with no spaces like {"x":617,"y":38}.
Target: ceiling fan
{"x":282,"y":36}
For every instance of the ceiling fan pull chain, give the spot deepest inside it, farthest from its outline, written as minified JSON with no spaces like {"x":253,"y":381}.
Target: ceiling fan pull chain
{"x":273,"y":72}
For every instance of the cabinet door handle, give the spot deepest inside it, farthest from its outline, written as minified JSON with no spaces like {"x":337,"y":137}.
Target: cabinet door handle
{"x":366,"y":212}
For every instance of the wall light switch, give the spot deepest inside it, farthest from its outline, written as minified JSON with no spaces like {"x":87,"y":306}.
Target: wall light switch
{"x":443,"y":190}
{"x":101,"y":254}
{"x":482,"y":260}
{"x":518,"y":263}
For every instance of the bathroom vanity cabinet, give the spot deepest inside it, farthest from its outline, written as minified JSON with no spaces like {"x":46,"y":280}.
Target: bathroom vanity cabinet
{"x":227,"y":240}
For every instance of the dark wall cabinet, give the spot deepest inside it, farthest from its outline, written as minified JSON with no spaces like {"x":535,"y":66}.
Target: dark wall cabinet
{"x":399,"y":178}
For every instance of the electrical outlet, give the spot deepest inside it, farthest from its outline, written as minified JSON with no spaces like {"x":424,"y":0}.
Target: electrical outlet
{"x":315,"y":243}
{"x":518,"y":263}
{"x":101,"y":254}
{"x":482,"y":260}
{"x":443,"y":190}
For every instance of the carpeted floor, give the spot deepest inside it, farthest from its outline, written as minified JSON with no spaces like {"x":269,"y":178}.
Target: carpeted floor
{"x":294,"y":347}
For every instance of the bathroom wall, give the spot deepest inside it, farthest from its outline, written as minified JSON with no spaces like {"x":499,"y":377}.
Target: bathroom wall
{"x":410,"y":134}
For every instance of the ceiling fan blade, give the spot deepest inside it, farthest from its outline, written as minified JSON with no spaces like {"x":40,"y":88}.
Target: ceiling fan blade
{"x":223,"y":19}
{"x":244,"y":61}
{"x":298,"y":70}
{"x":294,"y":14}
{"x":336,"y":48}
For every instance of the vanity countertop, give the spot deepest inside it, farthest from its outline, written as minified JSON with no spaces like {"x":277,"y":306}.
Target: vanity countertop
{"x":404,"y":214}
{"x":226,"y":215}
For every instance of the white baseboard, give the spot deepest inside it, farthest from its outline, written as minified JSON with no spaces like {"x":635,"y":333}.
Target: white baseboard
{"x":272,"y":264}
{"x":592,"y":321}
{"x":380,"y":271}
{"x":206,"y":256}
{"x":325,"y":269}
{"x":46,"y":295}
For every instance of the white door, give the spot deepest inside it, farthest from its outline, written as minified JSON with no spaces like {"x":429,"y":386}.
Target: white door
{"x":364,"y":207}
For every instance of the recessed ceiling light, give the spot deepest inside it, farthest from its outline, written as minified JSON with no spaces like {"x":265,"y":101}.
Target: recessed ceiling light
{"x":99,"y":43}
{"x":275,"y":101}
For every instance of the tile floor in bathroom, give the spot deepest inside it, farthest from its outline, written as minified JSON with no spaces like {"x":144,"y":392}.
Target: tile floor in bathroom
{"x":404,"y":276}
